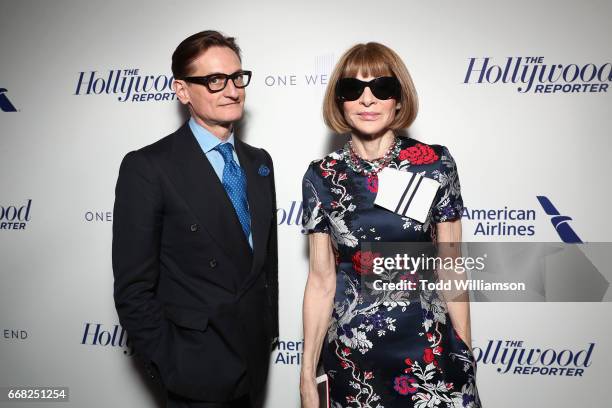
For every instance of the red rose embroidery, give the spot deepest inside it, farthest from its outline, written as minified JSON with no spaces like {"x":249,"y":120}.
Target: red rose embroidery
{"x":428,"y":355}
{"x":418,"y":154}
{"x":363,"y":261}
{"x":408,"y":369}
{"x":372,"y":183}
{"x":437,"y":350}
{"x":404,"y":385}
{"x":404,"y":154}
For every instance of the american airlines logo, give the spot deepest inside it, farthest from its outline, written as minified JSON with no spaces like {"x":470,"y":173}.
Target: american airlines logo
{"x":560,"y":222}
{"x":5,"y":104}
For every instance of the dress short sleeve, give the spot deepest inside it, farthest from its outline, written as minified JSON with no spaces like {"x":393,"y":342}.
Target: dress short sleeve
{"x":314,"y":218}
{"x":448,"y":204}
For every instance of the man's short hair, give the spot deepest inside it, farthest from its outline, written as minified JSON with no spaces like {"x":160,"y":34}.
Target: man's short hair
{"x":194,"y":46}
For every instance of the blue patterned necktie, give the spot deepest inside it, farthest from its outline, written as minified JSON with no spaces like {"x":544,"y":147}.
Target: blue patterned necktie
{"x":234,"y":181}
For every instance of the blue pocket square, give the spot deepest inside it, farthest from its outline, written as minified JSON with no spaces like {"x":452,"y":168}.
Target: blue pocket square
{"x":263,"y":170}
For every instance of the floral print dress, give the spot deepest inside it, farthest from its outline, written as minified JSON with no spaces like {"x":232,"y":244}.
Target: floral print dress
{"x":380,"y":353}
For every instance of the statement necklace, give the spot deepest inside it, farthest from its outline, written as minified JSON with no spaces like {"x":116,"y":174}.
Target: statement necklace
{"x":370,"y":167}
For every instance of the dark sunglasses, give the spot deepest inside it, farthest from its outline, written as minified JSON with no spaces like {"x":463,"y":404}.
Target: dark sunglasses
{"x":218,"y":82}
{"x":350,"y":89}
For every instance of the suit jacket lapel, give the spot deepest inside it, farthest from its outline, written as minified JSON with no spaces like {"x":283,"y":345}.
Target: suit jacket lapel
{"x":200,"y":186}
{"x":260,"y":204}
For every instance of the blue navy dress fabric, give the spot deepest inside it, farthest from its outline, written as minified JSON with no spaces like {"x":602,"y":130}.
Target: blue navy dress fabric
{"x":380,"y":354}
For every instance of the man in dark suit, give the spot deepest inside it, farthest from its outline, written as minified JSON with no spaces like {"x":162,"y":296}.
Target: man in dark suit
{"x":195,"y":244}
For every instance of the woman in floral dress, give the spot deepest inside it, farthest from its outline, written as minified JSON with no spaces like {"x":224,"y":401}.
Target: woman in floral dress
{"x":377,"y":353}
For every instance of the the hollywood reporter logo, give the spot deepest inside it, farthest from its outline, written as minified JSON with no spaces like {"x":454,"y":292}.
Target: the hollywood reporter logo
{"x":15,"y":217}
{"x":533,"y":75}
{"x":516,"y":357}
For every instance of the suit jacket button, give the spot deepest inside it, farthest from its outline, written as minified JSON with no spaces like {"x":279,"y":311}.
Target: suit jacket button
{"x":194,"y":227}
{"x":213,"y":263}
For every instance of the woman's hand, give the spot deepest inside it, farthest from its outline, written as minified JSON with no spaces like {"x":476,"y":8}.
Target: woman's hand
{"x":308,"y":391}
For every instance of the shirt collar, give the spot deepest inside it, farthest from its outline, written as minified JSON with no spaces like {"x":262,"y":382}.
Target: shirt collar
{"x":207,"y":140}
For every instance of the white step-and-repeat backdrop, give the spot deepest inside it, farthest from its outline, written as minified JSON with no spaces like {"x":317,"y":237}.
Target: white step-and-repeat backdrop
{"x":519,"y":91}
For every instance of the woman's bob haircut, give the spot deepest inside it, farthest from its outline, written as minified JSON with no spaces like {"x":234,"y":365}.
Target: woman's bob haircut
{"x":375,"y":60}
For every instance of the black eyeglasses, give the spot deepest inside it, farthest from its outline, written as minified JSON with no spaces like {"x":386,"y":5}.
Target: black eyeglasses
{"x":350,"y":89}
{"x":218,"y":82}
